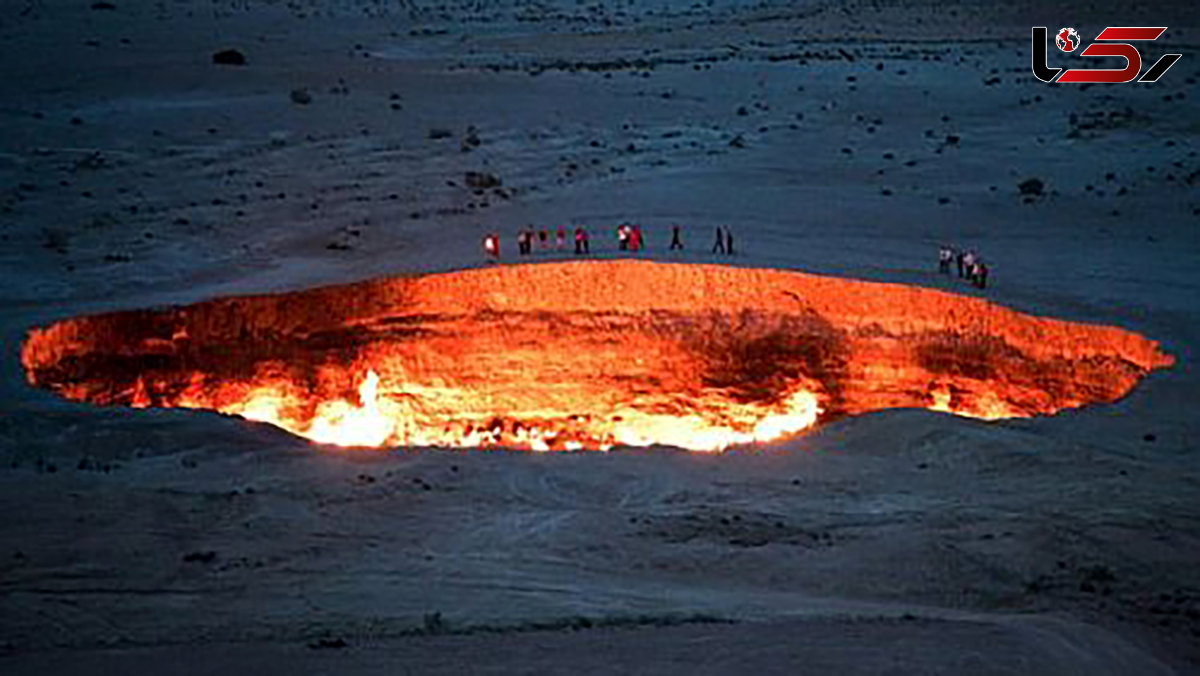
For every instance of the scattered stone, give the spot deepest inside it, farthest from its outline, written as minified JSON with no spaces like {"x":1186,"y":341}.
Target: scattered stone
{"x":200,"y":557}
{"x":328,"y":643}
{"x":481,"y":181}
{"x":1032,"y":186}
{"x":440,"y":133}
{"x":301,"y":96}
{"x":229,"y":57}
{"x":471,"y":140}
{"x":103,"y":6}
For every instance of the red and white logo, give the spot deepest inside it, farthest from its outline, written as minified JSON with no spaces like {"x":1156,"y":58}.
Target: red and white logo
{"x":1067,"y":40}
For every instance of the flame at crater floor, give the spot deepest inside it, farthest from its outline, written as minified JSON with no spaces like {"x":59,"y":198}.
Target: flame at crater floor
{"x":587,"y":354}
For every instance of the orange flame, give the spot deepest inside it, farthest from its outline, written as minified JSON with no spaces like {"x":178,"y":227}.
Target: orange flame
{"x":587,"y":355}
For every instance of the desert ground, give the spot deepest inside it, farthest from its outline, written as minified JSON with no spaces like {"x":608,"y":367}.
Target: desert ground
{"x":840,"y":138}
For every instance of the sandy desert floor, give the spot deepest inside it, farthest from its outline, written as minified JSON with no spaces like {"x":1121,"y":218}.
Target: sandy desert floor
{"x":839,"y":138}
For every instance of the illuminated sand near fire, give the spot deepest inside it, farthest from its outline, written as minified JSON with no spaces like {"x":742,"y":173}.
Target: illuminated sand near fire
{"x":587,"y":355}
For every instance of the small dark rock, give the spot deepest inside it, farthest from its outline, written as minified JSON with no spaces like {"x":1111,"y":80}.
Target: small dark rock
{"x":229,"y":57}
{"x":1032,"y":186}
{"x":200,"y":557}
{"x":478,"y":180}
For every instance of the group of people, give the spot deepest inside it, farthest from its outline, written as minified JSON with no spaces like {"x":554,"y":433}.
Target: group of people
{"x":528,"y":239}
{"x":970,"y":265}
{"x":629,"y":238}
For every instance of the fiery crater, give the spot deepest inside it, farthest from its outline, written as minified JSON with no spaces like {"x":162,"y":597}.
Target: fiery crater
{"x":587,"y":354}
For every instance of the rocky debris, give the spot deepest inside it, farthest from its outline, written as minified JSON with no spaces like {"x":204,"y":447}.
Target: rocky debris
{"x":438,"y":133}
{"x":200,"y":557}
{"x":1031,"y":187}
{"x":229,"y":57}
{"x":103,"y":6}
{"x":301,"y":96}
{"x":471,"y":140}
{"x":746,"y":530}
{"x":335,"y":643}
{"x":1090,"y":124}
{"x":477,"y":180}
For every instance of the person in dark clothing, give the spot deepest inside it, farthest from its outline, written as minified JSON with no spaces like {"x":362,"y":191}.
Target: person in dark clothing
{"x":945,"y":255}
{"x":719,"y":246}
{"x":959,"y":257}
{"x":676,"y":243}
{"x":981,"y":274}
{"x":970,"y":259}
{"x":728,"y":242}
{"x":581,"y":240}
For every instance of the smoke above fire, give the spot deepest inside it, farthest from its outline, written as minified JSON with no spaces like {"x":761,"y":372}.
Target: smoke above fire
{"x":587,"y":354}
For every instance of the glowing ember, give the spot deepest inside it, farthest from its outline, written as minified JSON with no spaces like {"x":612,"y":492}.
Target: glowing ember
{"x":587,"y":355}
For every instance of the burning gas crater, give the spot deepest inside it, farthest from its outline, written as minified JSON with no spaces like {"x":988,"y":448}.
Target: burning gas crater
{"x":586,"y":354}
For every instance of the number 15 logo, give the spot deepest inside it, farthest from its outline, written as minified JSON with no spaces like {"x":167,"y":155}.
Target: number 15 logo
{"x":1067,"y":39}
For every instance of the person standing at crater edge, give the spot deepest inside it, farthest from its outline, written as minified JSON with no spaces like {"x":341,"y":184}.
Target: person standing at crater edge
{"x":719,"y":246}
{"x":969,"y":261}
{"x":945,"y":255}
{"x":635,"y":238}
{"x":980,"y":275}
{"x":676,"y":242}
